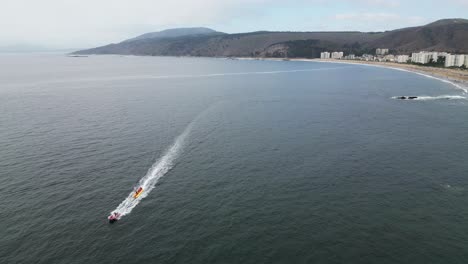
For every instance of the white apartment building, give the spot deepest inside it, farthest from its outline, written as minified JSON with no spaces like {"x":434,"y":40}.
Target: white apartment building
{"x":389,"y":57}
{"x":337,"y":55}
{"x":368,"y":57}
{"x":423,"y":57}
{"x":450,"y":60}
{"x":455,"y":60}
{"x":381,"y":51}
{"x":325,"y":55}
{"x":437,"y":55}
{"x":402,"y":58}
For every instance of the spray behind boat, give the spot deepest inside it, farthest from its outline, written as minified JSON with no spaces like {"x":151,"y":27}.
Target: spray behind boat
{"x":115,"y":216}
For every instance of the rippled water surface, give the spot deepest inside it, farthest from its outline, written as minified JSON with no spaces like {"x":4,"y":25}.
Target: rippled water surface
{"x":251,"y":162}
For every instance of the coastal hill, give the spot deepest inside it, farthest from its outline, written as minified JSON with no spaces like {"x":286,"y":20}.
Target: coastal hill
{"x":177,"y":32}
{"x":449,"y":35}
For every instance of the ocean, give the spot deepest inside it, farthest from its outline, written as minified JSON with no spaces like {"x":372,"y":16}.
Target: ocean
{"x":242,"y":161}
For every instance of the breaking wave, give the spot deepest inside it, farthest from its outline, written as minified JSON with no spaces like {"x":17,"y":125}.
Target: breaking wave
{"x":454,"y":83}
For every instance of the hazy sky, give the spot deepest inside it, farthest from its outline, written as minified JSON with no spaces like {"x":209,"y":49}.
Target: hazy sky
{"x":87,"y":23}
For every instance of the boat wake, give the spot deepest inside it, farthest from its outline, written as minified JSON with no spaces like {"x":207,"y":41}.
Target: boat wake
{"x":186,"y":76}
{"x":431,"y":98}
{"x":157,"y":170}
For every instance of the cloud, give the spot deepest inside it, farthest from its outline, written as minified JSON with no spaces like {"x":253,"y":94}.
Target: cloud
{"x":379,"y":21}
{"x":380,"y":3}
{"x":368,"y":17}
{"x":355,"y":3}
{"x":461,"y":2}
{"x":82,"y":22}
{"x":86,"y":23}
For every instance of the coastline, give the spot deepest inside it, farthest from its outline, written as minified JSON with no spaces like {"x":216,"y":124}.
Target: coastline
{"x":458,"y":78}
{"x":455,"y":77}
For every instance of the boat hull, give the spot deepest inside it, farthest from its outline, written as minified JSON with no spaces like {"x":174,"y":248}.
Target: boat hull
{"x":138,"y":193}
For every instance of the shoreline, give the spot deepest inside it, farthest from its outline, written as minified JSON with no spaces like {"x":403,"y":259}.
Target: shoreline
{"x":457,"y":78}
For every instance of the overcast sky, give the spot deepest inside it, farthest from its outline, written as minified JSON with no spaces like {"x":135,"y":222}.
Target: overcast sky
{"x":88,"y":23}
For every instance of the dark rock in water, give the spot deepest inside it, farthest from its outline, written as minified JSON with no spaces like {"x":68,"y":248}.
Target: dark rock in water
{"x":412,"y":97}
{"x":401,"y":97}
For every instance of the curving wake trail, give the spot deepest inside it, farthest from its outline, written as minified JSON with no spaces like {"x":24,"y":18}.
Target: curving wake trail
{"x":158,"y":170}
{"x":441,"y":97}
{"x":431,"y":98}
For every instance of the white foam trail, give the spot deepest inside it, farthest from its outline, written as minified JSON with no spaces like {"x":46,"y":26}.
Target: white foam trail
{"x":186,"y":76}
{"x":439,"y":97}
{"x":158,"y":170}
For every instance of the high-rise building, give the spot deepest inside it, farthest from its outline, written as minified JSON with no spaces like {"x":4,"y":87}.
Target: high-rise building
{"x":381,"y":52}
{"x":389,"y":57}
{"x":455,"y":60}
{"x":325,"y":55}
{"x":368,"y":57}
{"x":402,"y":58}
{"x":422,"y":57}
{"x":337,"y":55}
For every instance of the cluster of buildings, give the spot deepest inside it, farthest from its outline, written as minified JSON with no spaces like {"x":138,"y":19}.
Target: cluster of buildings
{"x":333,"y":55}
{"x":423,"y":57}
{"x":456,"y":60}
{"x":449,"y":60}
{"x":381,"y":52}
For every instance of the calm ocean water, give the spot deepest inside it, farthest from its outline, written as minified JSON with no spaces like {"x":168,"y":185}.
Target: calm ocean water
{"x":255,"y":162}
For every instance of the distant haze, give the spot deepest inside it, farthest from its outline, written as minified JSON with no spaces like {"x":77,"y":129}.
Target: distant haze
{"x":86,"y":23}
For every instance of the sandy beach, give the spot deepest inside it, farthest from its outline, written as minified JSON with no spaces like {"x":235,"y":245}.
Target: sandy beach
{"x":457,"y":77}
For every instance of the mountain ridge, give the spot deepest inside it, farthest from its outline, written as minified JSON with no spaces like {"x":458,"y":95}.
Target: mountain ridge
{"x":177,"y":32}
{"x":449,"y":35}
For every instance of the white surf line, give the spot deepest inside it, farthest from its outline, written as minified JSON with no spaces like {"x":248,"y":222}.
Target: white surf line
{"x":465,"y":90}
{"x":137,"y":77}
{"x":157,"y":170}
{"x":458,"y":86}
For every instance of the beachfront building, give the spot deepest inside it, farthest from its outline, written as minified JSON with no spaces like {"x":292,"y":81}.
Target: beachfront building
{"x":423,"y":57}
{"x":368,"y":57}
{"x":455,"y":60}
{"x":350,"y":57}
{"x":389,"y":57}
{"x":450,"y":60}
{"x":381,"y":52}
{"x":337,"y":55}
{"x":325,"y":55}
{"x":402,"y":58}
{"x":437,"y":55}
